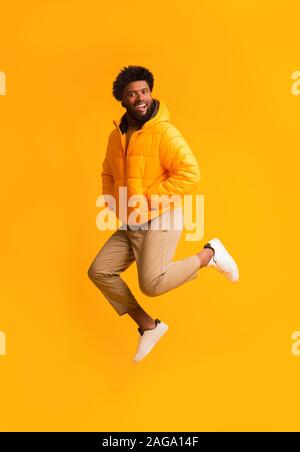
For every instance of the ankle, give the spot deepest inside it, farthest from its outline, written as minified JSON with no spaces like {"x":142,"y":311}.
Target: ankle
{"x":205,"y":256}
{"x":148,"y":326}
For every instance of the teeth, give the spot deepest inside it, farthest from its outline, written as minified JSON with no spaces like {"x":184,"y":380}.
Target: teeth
{"x":141,"y":105}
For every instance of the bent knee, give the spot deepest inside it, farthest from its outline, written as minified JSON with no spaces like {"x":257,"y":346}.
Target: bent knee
{"x":96,"y":274}
{"x":92,"y":272}
{"x":152,"y":288}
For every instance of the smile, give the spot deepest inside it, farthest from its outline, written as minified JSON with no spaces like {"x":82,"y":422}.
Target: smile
{"x":141,"y":107}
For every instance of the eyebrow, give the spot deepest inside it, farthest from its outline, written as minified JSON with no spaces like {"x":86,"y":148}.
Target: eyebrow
{"x":136,"y":90}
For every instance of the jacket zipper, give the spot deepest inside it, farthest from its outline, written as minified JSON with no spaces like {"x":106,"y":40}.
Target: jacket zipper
{"x":125,"y":151}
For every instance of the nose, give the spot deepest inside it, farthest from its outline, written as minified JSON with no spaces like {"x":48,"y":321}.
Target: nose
{"x":141,"y":97}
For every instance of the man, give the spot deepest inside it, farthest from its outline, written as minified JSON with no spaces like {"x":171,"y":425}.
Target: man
{"x":148,"y":155}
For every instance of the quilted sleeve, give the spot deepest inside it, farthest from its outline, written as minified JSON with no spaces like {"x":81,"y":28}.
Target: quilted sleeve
{"x":107,"y":179}
{"x":180,"y":164}
{"x":106,"y":175}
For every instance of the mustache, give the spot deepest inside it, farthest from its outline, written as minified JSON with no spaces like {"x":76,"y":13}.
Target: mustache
{"x":141,"y":103}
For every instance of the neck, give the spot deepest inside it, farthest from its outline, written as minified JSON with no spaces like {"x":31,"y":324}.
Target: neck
{"x":131,"y":121}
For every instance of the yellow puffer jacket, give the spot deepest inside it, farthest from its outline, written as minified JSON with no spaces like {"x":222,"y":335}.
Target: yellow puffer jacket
{"x":158,"y":161}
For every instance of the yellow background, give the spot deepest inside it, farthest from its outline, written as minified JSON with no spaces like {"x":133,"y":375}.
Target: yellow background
{"x":224,"y":70}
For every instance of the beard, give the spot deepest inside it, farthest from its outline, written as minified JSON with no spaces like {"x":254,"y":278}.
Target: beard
{"x":141,"y":119}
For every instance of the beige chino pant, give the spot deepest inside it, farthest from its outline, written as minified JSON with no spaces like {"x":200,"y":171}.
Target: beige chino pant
{"x":153,"y":250}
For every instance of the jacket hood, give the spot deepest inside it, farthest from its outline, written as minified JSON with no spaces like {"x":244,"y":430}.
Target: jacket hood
{"x":162,"y":115}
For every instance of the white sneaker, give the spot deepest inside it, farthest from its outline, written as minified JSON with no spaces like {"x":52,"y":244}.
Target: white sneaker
{"x":222,"y":261}
{"x":148,"y":339}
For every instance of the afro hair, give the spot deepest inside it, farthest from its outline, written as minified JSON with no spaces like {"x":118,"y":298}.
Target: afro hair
{"x":131,"y":74}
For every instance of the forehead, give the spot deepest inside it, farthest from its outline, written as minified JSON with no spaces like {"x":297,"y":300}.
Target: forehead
{"x":136,"y":86}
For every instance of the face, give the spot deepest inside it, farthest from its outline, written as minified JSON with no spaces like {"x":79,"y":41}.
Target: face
{"x":137,"y":100}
